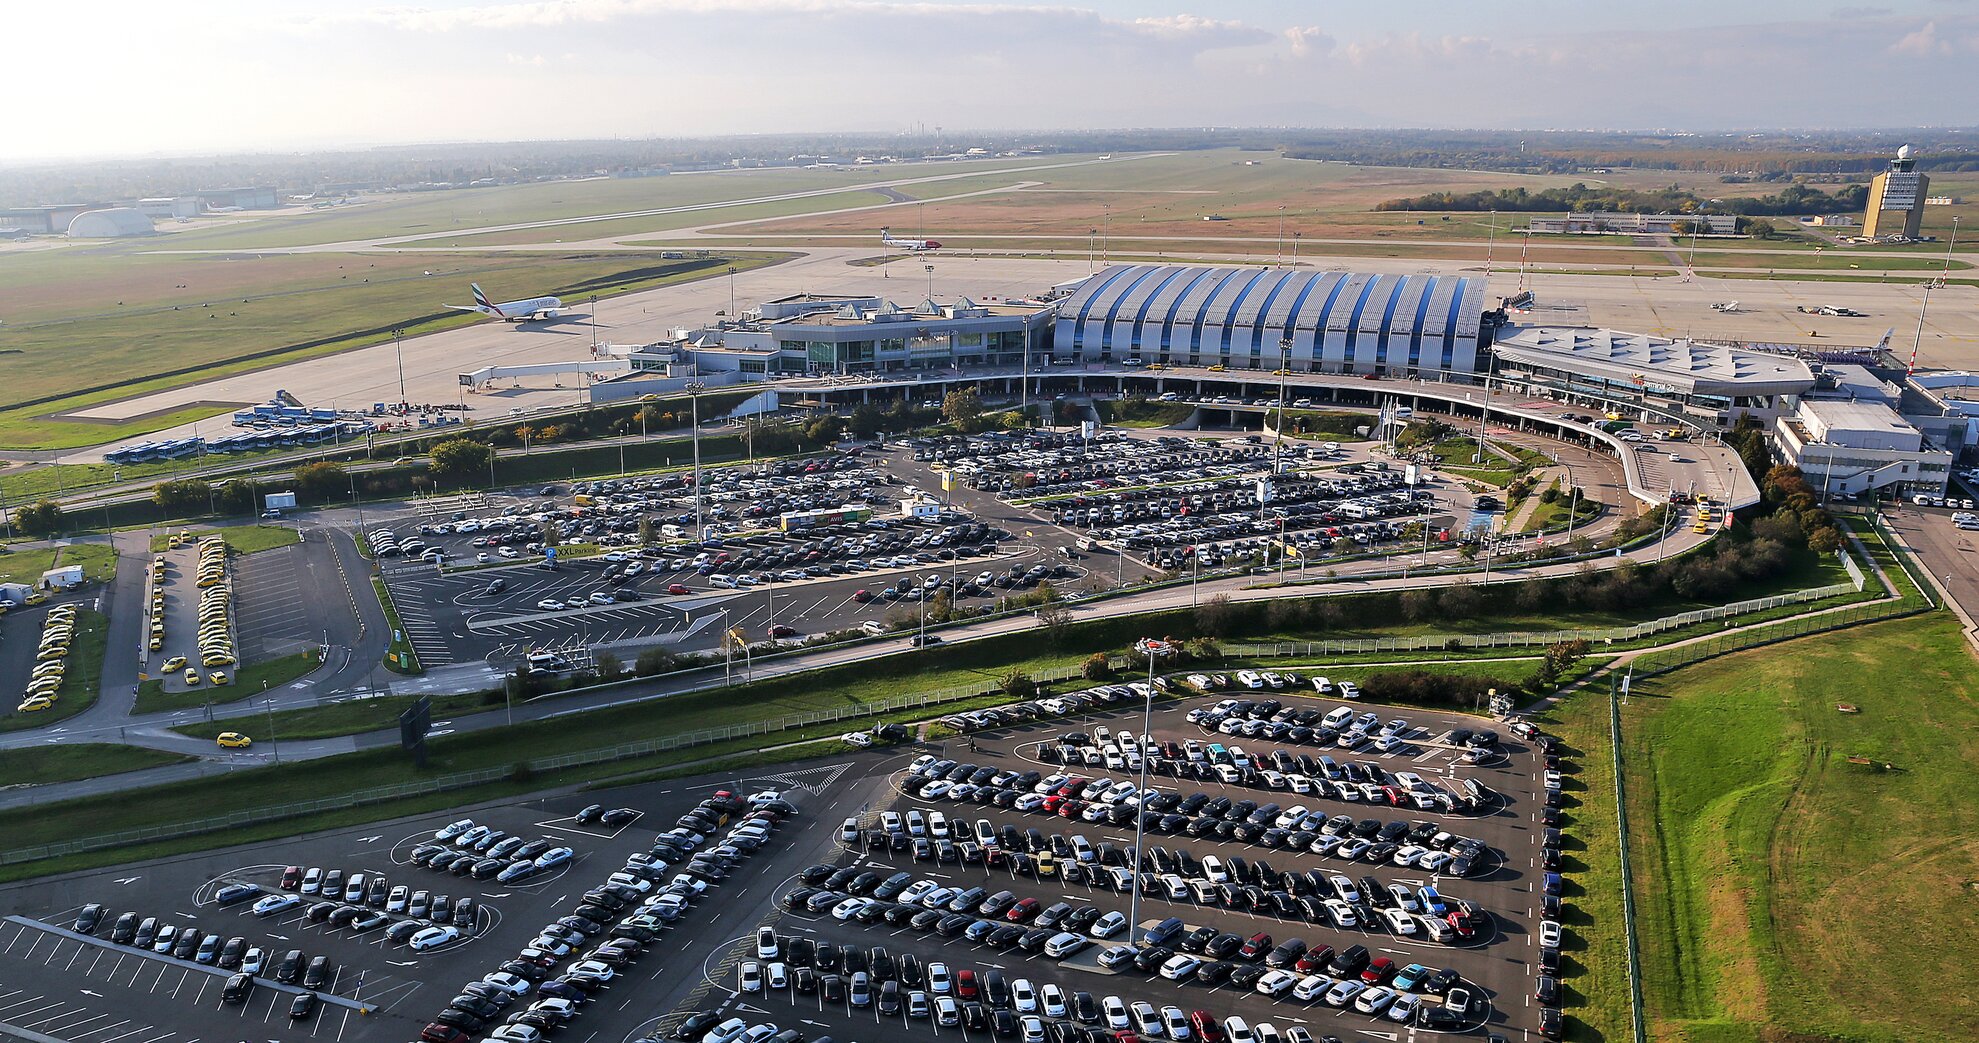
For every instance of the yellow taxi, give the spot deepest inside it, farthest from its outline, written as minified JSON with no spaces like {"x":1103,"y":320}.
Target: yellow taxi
{"x":35,"y":598}
{"x":192,"y":676}
{"x":216,"y":659}
{"x":174,"y":664}
{"x":219,"y":677}
{"x":234,"y":741}
{"x":1218,"y":368}
{"x":34,"y":703}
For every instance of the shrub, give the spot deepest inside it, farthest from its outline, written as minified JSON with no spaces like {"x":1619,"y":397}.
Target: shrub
{"x":1097,"y":667}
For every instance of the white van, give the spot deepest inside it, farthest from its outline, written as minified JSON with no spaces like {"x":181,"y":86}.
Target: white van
{"x":849,"y":832}
{"x":1337,"y":717}
{"x":872,"y":628}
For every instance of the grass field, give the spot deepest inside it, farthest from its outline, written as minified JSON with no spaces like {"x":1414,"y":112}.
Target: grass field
{"x":80,"y":680}
{"x":40,"y":765}
{"x":73,"y":316}
{"x":1784,"y":889}
{"x":98,"y":561}
{"x":242,"y":539}
{"x":247,"y":683}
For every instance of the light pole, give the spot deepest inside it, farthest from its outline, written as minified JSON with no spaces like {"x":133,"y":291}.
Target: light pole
{"x":1092,"y":238}
{"x":930,"y":269}
{"x":694,"y":389}
{"x":1154,"y":648}
{"x":594,"y":324}
{"x":1280,"y":262}
{"x":398,"y":350}
{"x":1295,"y":247}
{"x":269,"y":703}
{"x":731,"y":291}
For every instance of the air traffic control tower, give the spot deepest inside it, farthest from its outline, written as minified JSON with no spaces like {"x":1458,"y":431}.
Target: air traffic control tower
{"x":1896,"y":199}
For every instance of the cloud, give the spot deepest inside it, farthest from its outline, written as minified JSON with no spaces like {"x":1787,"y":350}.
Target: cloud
{"x":524,"y":59}
{"x":1856,"y":13}
{"x":1307,"y":40}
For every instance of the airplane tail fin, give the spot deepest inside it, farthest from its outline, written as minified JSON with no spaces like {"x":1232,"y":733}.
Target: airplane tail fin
{"x":479,"y":297}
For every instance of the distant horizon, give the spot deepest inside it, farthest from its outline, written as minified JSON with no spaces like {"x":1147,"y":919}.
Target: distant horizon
{"x":288,"y":76}
{"x":962,"y":138}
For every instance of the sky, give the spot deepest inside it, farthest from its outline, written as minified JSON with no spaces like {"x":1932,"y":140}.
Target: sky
{"x":114,"y":77}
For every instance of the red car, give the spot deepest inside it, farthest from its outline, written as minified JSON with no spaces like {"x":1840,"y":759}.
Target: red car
{"x":1378,"y":971}
{"x":1256,"y":947}
{"x":1071,"y":808}
{"x":1315,"y":960}
{"x":676,"y":588}
{"x":1022,"y":911}
{"x":965,"y":985}
{"x":291,"y":878}
{"x":862,"y":596}
{"x":1208,"y":1029}
{"x":780,"y":630}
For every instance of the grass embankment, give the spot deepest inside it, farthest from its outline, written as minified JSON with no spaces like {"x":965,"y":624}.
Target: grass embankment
{"x":1142,"y":412}
{"x":98,"y":561}
{"x":242,"y":539}
{"x":400,"y":657}
{"x":80,"y":679}
{"x":349,"y":773}
{"x":1783,"y":891}
{"x":76,"y":315}
{"x":248,"y":681}
{"x":40,"y":765}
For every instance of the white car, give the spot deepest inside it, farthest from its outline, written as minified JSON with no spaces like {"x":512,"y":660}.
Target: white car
{"x":939,"y":981}
{"x":550,"y":605}
{"x":593,"y":969}
{"x":1109,"y":925}
{"x":1115,"y":1011}
{"x":918,"y":890}
{"x":777,"y":976}
{"x":1180,"y":967}
{"x":1146,"y":1021}
{"x":1277,"y":983}
{"x":750,"y":978}
{"x":433,"y":938}
{"x":1174,"y":1024}
{"x":725,"y":1031}
{"x":273,"y":904}
{"x":1403,"y":1007}
{"x":1052,"y":999}
{"x":1023,"y":998}
{"x":1399,"y":922}
{"x":1549,"y":934}
{"x":453,"y":829}
{"x":509,"y":983}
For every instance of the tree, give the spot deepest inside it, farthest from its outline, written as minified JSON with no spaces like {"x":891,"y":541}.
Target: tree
{"x":1215,"y":617}
{"x":322,"y":481}
{"x":459,"y":461}
{"x":239,"y":496}
{"x":867,"y":420}
{"x":653,"y":661}
{"x":649,"y":532}
{"x":1011,"y":421}
{"x":610,"y":667}
{"x":825,"y":429}
{"x":1018,"y":685}
{"x":941,"y":607}
{"x":182,"y":496}
{"x":1097,"y":667}
{"x":41,"y":518}
{"x":1825,"y":540}
{"x":962,"y":407}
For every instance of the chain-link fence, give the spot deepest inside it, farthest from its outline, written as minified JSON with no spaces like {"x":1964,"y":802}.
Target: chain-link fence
{"x":1684,"y":655}
{"x":1539,"y":638}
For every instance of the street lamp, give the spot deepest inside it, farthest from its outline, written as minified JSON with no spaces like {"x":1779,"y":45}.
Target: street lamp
{"x":400,"y":352}
{"x":1281,"y":237}
{"x":1153,"y":648}
{"x":930,"y":269}
{"x":694,"y":389}
{"x":731,"y":291}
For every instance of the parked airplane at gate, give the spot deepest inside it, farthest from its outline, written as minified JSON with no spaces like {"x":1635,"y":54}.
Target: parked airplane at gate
{"x":910,"y":245}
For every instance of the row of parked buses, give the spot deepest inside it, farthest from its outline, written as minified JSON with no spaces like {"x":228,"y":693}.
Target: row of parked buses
{"x":246,"y":441}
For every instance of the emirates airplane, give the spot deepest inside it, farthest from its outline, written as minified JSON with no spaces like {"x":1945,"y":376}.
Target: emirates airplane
{"x":910,"y":245}
{"x":532,"y":310}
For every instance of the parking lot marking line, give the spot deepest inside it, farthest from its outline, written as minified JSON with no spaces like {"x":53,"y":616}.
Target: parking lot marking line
{"x":19,"y":1003}
{"x":133,"y":1032}
{"x":37,"y":1010}
{"x":164,"y":1036}
{"x":72,"y":1026}
{"x":106,"y":1028}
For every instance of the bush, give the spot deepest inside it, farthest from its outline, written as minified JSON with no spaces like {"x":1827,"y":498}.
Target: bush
{"x":1018,"y":685}
{"x":1422,"y":688}
{"x":1098,"y":667}
{"x":653,"y":661}
{"x":520,"y":771}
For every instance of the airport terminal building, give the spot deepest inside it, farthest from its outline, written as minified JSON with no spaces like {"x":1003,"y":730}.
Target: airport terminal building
{"x":1432,"y":326}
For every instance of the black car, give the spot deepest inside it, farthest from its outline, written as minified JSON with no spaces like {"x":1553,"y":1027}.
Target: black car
{"x":1216,"y":973}
{"x":590,"y":813}
{"x":1223,"y":946}
{"x":289,"y":967}
{"x":88,"y":920}
{"x":1440,"y":982}
{"x":1549,"y":1023}
{"x":318,"y":973}
{"x":618,"y":816}
{"x":302,"y":1006}
{"x":695,"y":1026}
{"x":237,"y":989}
{"x":1546,"y":989}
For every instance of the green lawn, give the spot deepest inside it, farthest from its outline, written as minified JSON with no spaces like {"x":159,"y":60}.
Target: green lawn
{"x":73,"y":317}
{"x":66,"y":762}
{"x":243,"y":539}
{"x":1784,"y":892}
{"x":79,"y":680}
{"x":98,"y":561}
{"x":247,"y":681}
{"x":352,"y":717}
{"x":400,"y":657}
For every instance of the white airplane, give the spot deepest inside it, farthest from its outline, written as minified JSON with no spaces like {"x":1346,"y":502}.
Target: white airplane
{"x":531,"y":310}
{"x":1729,"y":308}
{"x":910,"y":245}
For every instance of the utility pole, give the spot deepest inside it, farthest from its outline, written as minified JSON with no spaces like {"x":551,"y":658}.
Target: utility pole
{"x":400,"y":352}
{"x":594,"y":324}
{"x":1140,"y":821}
{"x":1280,"y":262}
{"x":694,"y":389}
{"x":731,"y":291}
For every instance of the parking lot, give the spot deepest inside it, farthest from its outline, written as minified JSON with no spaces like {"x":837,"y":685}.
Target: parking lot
{"x":1252,"y":888}
{"x":470,"y":582}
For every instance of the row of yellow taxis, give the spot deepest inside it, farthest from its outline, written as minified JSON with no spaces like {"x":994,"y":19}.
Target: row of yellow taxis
{"x":51,"y":659}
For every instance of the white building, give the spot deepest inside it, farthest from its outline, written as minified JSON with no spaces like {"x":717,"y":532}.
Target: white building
{"x":1858,"y":446}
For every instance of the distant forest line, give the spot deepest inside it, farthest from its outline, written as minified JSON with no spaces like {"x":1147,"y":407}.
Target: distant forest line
{"x":1776,"y":156}
{"x":1789,"y":201}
